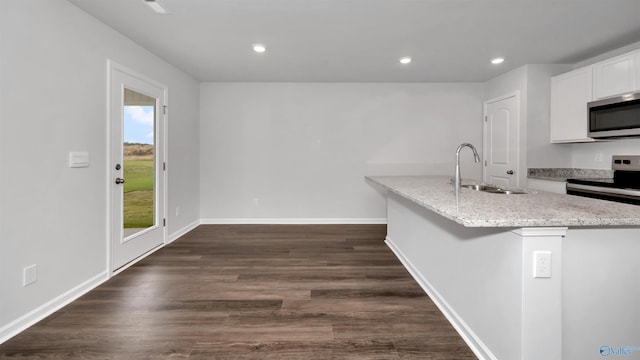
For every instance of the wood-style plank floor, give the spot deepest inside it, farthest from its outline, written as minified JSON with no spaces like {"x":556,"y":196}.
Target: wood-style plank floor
{"x":253,"y":292}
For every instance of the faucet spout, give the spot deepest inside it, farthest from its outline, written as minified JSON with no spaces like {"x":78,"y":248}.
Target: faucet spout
{"x":476,"y":157}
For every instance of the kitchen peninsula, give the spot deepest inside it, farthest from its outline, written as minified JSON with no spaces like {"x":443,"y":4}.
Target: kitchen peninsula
{"x":528,"y":276}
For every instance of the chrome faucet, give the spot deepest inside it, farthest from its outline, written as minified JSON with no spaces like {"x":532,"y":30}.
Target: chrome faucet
{"x":476,"y":158}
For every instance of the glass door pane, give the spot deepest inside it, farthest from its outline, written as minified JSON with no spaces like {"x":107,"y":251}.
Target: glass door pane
{"x":139,"y":162}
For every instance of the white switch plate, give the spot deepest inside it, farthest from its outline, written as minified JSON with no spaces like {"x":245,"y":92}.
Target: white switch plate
{"x":30,"y":275}
{"x":542,"y":264}
{"x":78,"y":159}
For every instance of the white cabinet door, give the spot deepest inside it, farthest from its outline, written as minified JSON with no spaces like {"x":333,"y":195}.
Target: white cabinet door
{"x":570,"y":93}
{"x":615,"y":76}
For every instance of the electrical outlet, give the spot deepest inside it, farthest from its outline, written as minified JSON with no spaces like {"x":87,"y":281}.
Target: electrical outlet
{"x":30,"y":275}
{"x":256,"y":202}
{"x":542,"y":264}
{"x":177,"y":211}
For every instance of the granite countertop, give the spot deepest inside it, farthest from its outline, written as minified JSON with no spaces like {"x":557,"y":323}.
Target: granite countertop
{"x":481,"y":209}
{"x":562,"y":174}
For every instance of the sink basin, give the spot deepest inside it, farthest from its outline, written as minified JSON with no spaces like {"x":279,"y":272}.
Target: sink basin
{"x":478,"y":187}
{"x":492,"y":189}
{"x":505,"y":191}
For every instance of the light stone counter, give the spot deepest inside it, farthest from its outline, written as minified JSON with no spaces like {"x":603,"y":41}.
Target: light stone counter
{"x":562,"y":174}
{"x":534,"y":209}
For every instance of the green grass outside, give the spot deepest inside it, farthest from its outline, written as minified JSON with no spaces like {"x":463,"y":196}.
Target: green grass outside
{"x":138,"y":193}
{"x":138,"y":175}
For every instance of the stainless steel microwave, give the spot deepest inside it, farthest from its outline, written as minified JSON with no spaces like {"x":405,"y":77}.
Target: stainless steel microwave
{"x":615,"y":117}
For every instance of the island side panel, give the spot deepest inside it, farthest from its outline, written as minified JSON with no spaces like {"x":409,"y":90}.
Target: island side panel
{"x":542,"y":292}
{"x":473,"y":274}
{"x":601,"y":294}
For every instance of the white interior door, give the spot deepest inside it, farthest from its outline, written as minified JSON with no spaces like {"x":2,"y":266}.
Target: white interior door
{"x":501,"y":142}
{"x":137,"y":176}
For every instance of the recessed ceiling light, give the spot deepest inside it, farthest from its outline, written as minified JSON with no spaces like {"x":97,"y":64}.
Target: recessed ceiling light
{"x":405,"y":60}
{"x":259,"y":48}
{"x":496,"y":61}
{"x":155,"y":6}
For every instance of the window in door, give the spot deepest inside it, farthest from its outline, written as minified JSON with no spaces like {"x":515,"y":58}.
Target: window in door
{"x":139,"y":162}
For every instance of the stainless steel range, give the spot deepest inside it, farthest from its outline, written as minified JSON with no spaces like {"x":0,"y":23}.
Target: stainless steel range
{"x":624,"y":186}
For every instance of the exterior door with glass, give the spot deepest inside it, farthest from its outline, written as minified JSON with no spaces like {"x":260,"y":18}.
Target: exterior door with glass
{"x":137,"y":174}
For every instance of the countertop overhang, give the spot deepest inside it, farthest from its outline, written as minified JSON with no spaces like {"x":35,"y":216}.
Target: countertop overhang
{"x":534,"y":209}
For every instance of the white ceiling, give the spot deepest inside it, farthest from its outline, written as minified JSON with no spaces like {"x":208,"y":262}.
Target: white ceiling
{"x":362,"y":40}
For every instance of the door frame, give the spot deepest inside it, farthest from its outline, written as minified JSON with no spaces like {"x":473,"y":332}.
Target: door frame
{"x":111,"y":67}
{"x":520,"y":155}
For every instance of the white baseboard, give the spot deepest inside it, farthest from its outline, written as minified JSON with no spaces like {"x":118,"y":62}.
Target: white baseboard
{"x":173,"y":237}
{"x":31,"y":318}
{"x":301,"y":221}
{"x":469,"y":337}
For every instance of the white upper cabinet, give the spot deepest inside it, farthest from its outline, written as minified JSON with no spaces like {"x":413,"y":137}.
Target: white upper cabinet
{"x":615,"y":76}
{"x":570,"y":93}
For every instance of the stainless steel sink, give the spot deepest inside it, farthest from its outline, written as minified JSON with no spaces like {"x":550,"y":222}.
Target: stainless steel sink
{"x":492,"y":189}
{"x":506,"y":192}
{"x":478,"y":187}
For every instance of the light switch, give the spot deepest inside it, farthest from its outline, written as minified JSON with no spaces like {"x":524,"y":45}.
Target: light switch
{"x":79,"y":159}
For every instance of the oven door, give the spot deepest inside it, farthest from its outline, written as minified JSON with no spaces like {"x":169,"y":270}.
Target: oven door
{"x":629,"y":196}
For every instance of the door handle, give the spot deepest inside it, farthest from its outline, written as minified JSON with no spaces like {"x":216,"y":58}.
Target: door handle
{"x":119,"y":181}
{"x":509,"y":172}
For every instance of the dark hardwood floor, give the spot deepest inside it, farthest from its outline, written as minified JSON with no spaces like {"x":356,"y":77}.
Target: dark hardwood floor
{"x":253,"y":292}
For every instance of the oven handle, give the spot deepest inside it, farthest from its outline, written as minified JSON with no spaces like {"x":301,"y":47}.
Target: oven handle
{"x":603,"y":190}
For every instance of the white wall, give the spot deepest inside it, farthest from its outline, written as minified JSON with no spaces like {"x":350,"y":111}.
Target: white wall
{"x":514,"y":80}
{"x":597,"y":155}
{"x":540,"y":152}
{"x":301,"y":151}
{"x":53,"y":100}
{"x":532,"y":82}
{"x":600,"y":293}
